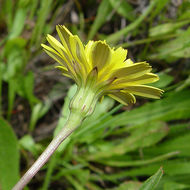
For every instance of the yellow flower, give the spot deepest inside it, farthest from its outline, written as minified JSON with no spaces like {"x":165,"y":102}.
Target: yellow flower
{"x":104,"y":70}
{"x":98,"y":70}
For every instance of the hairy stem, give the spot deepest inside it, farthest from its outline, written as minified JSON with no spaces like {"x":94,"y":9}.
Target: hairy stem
{"x":73,"y":122}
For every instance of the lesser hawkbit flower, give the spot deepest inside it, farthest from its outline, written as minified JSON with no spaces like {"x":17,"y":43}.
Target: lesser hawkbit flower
{"x":98,"y":70}
{"x":101,"y":69}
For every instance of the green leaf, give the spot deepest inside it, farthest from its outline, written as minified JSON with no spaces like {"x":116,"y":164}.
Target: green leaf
{"x":18,"y":23}
{"x":43,"y":13}
{"x":103,"y":13}
{"x":144,"y":136}
{"x":164,"y":81}
{"x":175,"y":106}
{"x":178,"y":143}
{"x":1,"y":82}
{"x":171,"y":185}
{"x":15,"y":64}
{"x":9,"y":156}
{"x":171,"y":167}
{"x":27,"y":142}
{"x":185,"y":84}
{"x":7,"y":10}
{"x":38,"y":111}
{"x":174,"y":49}
{"x":28,"y":83}
{"x":123,"y":8}
{"x":41,"y":108}
{"x":113,"y":38}
{"x":161,"y":5}
{"x":128,"y":185}
{"x":16,"y":44}
{"x":152,"y":182}
{"x":11,"y":97}
{"x":124,"y":160}
{"x":166,"y":28}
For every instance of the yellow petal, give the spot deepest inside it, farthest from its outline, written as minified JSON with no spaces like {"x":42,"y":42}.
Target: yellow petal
{"x":62,"y":51}
{"x":64,"y":35}
{"x":64,"y":71}
{"x":55,"y":44}
{"x":78,"y":53}
{"x":55,"y":55}
{"x":74,"y":75}
{"x":145,"y":91}
{"x":118,"y":57}
{"x":100,"y":55}
{"x":117,"y":61}
{"x":88,"y":49}
{"x":145,"y":79}
{"x":123,"y":98}
{"x":133,"y":71}
{"x":63,"y":60}
{"x":129,"y":62}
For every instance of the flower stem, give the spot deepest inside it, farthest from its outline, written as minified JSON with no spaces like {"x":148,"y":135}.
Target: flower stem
{"x":73,"y":122}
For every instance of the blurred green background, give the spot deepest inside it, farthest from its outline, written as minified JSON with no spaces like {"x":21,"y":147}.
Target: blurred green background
{"x":118,"y":147}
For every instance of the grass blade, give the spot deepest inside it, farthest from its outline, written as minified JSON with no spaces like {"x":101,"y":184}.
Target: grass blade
{"x":153,"y":181}
{"x":104,"y":11}
{"x":113,"y":38}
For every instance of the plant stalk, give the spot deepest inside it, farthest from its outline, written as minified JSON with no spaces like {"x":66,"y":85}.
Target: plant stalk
{"x":73,"y":122}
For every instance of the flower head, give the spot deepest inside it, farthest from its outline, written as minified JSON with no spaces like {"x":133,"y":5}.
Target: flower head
{"x":104,"y":70}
